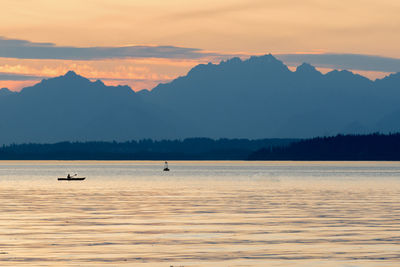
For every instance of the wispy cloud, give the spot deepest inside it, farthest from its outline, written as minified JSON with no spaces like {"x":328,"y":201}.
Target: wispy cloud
{"x":215,"y":11}
{"x":241,"y":7}
{"x":22,"y":77}
{"x":19,"y":77}
{"x":23,"y":49}
{"x":344,"y":61}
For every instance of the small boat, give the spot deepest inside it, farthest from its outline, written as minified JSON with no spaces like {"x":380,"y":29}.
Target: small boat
{"x":71,"y":178}
{"x":166,"y":169}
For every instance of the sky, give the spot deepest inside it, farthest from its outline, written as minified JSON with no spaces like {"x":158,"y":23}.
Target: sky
{"x":144,"y":42}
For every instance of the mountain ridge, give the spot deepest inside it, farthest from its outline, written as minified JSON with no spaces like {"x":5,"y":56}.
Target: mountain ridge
{"x":5,"y":91}
{"x":259,"y":97}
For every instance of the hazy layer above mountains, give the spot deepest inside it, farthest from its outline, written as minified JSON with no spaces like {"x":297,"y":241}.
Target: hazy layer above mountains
{"x":255,"y":98}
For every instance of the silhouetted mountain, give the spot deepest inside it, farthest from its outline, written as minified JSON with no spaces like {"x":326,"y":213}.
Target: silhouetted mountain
{"x":254,"y":98}
{"x":261,"y":97}
{"x":5,"y":91}
{"x":71,"y":107}
{"x":307,"y":73}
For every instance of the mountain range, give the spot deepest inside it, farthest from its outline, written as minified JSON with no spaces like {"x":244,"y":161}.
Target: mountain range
{"x":5,"y":91}
{"x":259,"y":97}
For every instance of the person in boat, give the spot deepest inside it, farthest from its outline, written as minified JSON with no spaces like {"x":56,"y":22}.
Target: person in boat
{"x":166,"y":166}
{"x":69,"y":176}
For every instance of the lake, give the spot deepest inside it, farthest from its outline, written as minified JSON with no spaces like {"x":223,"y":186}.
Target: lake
{"x":205,"y":213}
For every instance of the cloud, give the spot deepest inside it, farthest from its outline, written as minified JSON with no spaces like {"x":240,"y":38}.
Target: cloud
{"x":22,"y":77}
{"x":215,"y":11}
{"x":344,"y":61}
{"x":242,"y":7}
{"x":19,"y":77}
{"x":23,"y":49}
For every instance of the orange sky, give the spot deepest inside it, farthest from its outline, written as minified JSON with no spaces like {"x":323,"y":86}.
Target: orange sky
{"x":225,"y":27}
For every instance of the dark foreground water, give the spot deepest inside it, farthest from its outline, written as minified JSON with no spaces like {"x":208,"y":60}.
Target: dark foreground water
{"x":200,"y":214}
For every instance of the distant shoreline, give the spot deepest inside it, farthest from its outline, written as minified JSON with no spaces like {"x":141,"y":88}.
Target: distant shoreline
{"x":371,"y":147}
{"x":147,"y":149}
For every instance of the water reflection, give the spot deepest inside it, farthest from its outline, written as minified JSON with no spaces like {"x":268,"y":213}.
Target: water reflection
{"x":200,"y":214}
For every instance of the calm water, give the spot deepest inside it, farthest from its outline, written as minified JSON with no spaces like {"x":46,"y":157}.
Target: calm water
{"x":200,"y":214}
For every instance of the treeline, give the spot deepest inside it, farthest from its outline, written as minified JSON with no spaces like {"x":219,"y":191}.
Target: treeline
{"x":341,"y":147}
{"x":187,"y":149}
